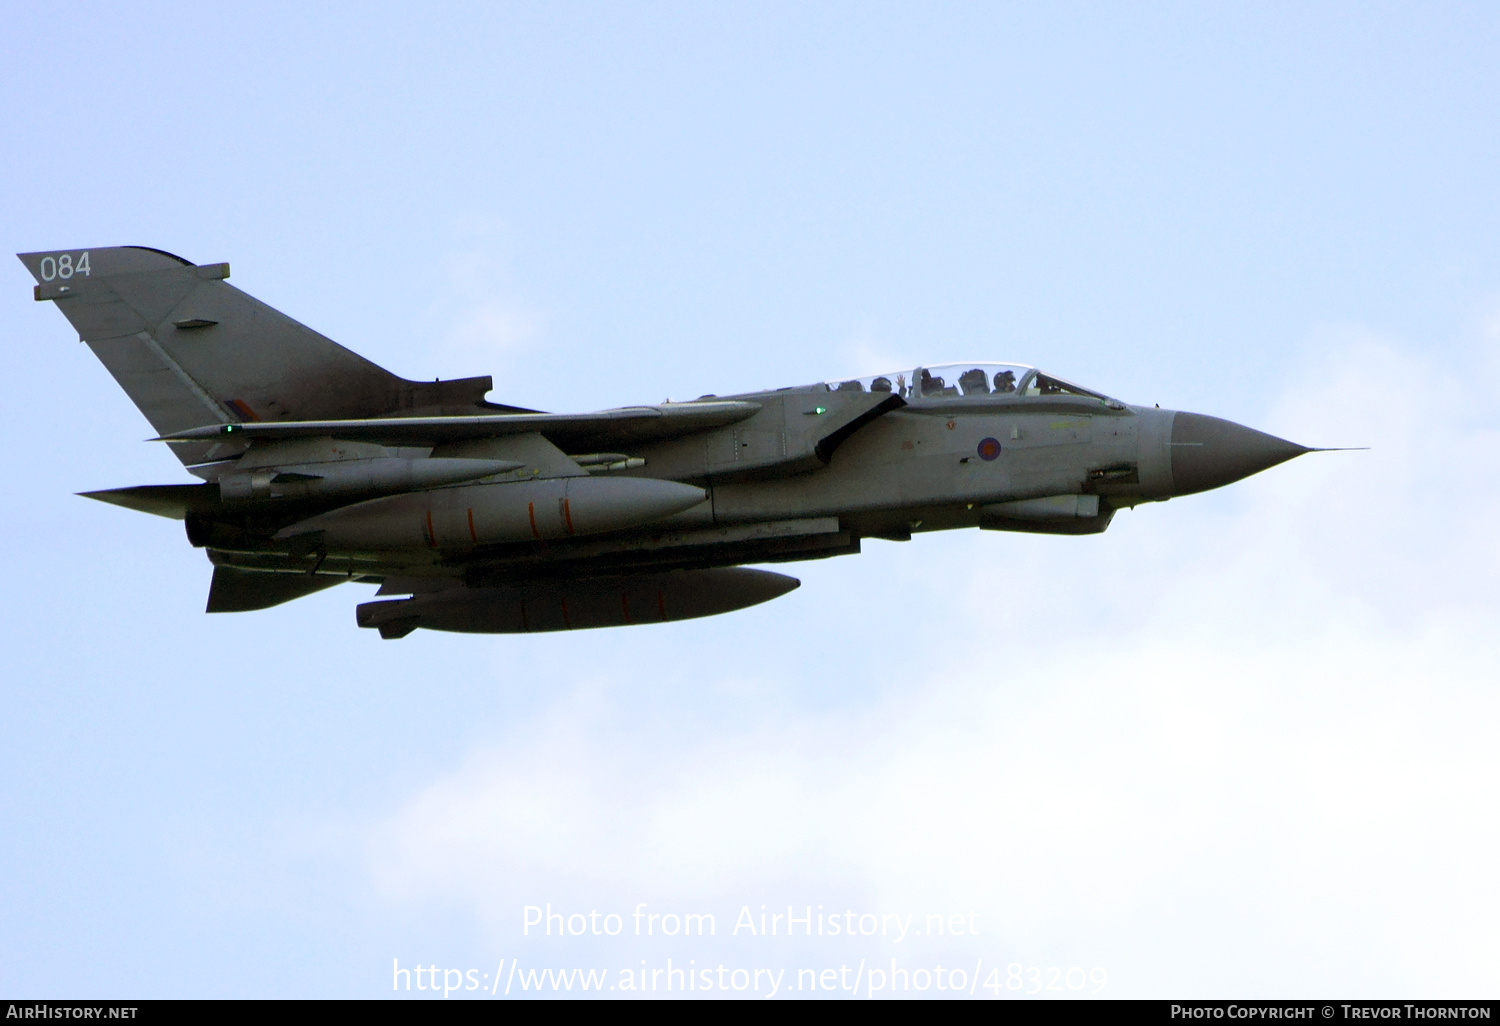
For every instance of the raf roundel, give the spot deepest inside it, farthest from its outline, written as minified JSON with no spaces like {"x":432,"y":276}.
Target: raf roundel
{"x":989,"y":448}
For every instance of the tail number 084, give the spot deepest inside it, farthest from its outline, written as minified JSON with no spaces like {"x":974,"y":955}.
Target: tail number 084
{"x":64,"y":266}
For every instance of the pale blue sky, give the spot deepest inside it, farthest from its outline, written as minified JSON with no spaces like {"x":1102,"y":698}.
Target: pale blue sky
{"x":1242,"y":744}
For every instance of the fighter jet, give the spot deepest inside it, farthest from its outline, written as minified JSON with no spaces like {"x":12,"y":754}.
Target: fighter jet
{"x":318,"y":467}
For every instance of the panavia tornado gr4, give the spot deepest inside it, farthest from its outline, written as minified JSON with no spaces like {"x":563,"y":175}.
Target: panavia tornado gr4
{"x":318,"y":467}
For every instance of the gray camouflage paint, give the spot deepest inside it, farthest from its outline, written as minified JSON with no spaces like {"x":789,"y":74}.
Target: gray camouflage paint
{"x":318,"y":467}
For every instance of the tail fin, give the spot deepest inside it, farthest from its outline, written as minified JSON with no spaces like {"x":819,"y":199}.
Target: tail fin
{"x":192,"y":350}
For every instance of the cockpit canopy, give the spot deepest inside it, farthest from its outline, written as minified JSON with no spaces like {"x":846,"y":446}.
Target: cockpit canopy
{"x":967,"y":380}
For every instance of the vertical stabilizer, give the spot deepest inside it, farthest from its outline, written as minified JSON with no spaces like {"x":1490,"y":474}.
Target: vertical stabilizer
{"x":192,"y":350}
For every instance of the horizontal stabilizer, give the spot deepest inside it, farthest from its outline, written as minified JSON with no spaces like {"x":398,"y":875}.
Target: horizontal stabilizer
{"x":174,"y":501}
{"x":239,"y":591}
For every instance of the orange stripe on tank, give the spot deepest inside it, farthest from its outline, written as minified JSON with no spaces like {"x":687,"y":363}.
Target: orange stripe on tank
{"x":471,"y":526}
{"x":568,"y":516}
{"x":531,"y":512}
{"x":431,"y":534}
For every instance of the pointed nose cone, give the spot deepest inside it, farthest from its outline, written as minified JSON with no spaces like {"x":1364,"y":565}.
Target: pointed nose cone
{"x":1208,"y":452}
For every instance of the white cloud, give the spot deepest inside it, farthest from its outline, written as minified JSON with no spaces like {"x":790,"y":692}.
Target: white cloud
{"x":1241,"y":745}
{"x":492,"y":329}
{"x":865,"y":352}
{"x":482,"y":324}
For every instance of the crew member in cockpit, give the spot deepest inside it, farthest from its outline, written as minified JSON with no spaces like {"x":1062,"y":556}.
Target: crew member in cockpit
{"x":973,"y":382}
{"x":1005,"y":381}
